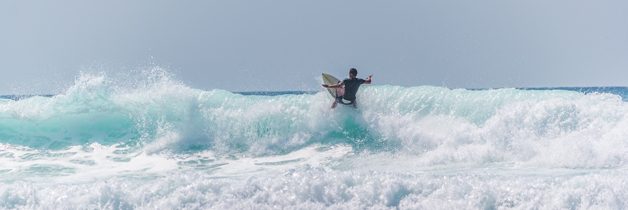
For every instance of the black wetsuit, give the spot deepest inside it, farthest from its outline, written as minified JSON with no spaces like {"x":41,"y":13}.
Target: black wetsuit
{"x":351,"y":88}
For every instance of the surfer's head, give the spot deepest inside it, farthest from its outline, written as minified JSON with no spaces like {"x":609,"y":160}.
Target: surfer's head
{"x":353,"y":72}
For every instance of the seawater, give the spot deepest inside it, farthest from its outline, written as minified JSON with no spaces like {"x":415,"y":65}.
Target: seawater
{"x":159,"y":144}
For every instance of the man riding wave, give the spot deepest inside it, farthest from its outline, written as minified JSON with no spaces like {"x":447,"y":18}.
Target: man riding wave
{"x":351,"y":86}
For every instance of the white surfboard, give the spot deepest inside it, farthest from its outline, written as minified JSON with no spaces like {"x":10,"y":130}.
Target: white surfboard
{"x":330,"y":80}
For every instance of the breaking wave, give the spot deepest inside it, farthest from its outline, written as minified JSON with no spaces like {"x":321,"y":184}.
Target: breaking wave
{"x":395,"y":150}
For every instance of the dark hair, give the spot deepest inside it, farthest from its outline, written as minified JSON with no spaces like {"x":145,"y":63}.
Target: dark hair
{"x":353,"y":71}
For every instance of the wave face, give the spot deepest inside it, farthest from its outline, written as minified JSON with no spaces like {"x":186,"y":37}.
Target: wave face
{"x":97,"y":143}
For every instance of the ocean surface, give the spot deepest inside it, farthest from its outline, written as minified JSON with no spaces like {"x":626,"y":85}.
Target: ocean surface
{"x":159,"y":144}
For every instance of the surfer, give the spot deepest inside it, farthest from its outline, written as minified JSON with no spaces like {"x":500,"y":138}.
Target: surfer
{"x":351,"y":86}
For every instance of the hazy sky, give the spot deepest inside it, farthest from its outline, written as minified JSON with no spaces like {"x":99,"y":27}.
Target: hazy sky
{"x":286,"y":44}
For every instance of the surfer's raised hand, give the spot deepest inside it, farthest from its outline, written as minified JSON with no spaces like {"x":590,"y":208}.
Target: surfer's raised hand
{"x":368,"y":79}
{"x":325,"y":85}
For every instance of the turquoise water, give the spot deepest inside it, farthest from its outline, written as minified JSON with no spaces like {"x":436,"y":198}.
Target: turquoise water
{"x":159,"y":144}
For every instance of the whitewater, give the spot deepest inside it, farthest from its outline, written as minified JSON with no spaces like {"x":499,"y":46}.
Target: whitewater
{"x":156,"y":143}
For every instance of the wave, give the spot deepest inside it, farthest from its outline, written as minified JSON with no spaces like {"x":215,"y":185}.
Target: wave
{"x":154,"y":142}
{"x":436,"y":125}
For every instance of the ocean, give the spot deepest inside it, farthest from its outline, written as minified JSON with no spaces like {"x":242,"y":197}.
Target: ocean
{"x":160,"y":144}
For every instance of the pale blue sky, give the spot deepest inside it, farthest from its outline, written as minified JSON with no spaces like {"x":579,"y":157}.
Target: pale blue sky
{"x":285,"y":44}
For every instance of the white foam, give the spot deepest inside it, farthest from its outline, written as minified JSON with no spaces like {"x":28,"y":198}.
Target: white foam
{"x":78,"y":163}
{"x":321,"y":188}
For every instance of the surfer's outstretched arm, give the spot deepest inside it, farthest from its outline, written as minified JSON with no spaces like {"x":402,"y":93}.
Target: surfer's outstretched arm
{"x":333,"y":86}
